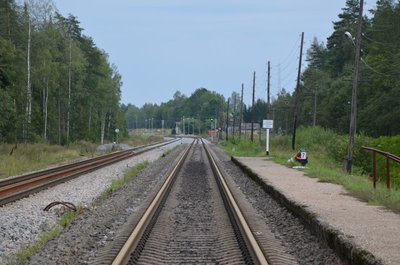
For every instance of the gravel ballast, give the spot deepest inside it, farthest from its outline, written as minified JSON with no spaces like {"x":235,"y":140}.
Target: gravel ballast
{"x":22,"y":222}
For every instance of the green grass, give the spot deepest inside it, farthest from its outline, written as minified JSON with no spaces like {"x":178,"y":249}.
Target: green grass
{"x":242,"y":147}
{"x":168,"y":151}
{"x":23,"y":255}
{"x":322,"y":163}
{"x":128,"y":176}
{"x":31,"y":157}
{"x":142,"y":137}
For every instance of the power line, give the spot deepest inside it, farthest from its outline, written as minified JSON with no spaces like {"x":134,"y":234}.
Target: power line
{"x":295,"y":45}
{"x":372,"y":69}
{"x":375,"y":41}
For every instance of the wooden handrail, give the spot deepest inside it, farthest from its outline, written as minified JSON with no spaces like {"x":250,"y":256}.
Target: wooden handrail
{"x":388,"y":156}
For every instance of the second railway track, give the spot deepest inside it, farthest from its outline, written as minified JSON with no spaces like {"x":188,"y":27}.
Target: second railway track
{"x":15,"y":188}
{"x":193,"y":219}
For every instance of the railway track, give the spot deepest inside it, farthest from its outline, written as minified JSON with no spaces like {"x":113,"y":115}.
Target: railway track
{"x":15,"y":188}
{"x":194,"y":218}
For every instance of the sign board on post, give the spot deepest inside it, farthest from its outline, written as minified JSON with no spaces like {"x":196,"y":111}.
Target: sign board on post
{"x":268,"y":124}
{"x":116,"y":137}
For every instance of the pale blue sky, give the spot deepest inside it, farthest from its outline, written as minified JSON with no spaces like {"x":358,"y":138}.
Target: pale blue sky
{"x":160,"y":47}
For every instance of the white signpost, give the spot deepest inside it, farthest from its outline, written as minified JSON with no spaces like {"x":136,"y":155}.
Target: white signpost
{"x":267,"y":124}
{"x":116,"y":135}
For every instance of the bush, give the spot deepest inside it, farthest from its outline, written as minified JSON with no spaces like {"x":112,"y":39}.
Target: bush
{"x":84,"y":147}
{"x":313,"y":138}
{"x":243,"y":147}
{"x":280,"y":142}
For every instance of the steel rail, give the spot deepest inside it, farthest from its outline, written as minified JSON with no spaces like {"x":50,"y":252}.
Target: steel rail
{"x":15,"y":188}
{"x":134,"y":238}
{"x":254,"y":248}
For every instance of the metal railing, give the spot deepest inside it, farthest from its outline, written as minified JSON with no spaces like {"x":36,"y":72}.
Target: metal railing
{"x":388,"y":156}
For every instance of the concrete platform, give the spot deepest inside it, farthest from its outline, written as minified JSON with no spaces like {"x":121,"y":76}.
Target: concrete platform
{"x":361,"y":233}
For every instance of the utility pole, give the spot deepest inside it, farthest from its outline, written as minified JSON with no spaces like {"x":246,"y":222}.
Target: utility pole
{"x":279,"y":77}
{"x":183,"y":125}
{"x":227,"y":122}
{"x":241,"y":113}
{"x":297,"y":92}
{"x":215,"y":124}
{"x":348,"y":161}
{"x":253,"y":107}
{"x":315,"y":108}
{"x":268,"y":88}
{"x":268,"y":106}
{"x":198,"y":121}
{"x":234,"y":116}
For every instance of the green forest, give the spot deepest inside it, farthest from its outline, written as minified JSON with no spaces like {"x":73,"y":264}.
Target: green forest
{"x":327,"y":81}
{"x":56,"y":86}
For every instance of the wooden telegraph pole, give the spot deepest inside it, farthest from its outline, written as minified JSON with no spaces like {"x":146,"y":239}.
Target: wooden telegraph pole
{"x":241,"y":113}
{"x":253,"y":107}
{"x":297,"y":92}
{"x":268,"y":88}
{"x":234,"y":116}
{"x":227,"y":121}
{"x":268,"y":107}
{"x":347,"y":163}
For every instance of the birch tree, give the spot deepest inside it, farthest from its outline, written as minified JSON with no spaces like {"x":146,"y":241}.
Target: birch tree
{"x":28,"y":109}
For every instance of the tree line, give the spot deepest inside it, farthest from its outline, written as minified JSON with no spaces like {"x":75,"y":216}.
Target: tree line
{"x":56,"y":86}
{"x":201,"y":111}
{"x":325,"y":91}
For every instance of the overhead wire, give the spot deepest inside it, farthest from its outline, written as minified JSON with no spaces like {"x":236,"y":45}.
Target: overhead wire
{"x":375,"y":41}
{"x":372,"y":69}
{"x":288,"y":64}
{"x":291,"y":51}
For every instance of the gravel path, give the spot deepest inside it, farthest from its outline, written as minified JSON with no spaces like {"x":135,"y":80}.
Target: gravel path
{"x":21,"y":222}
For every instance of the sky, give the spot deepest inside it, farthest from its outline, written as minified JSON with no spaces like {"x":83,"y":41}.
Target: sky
{"x":160,"y":47}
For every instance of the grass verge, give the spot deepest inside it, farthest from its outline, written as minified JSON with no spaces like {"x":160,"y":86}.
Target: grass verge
{"x":21,"y":158}
{"x":142,"y":137}
{"x":168,"y":151}
{"x":31,"y":157}
{"x":23,"y":255}
{"x":128,"y":176}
